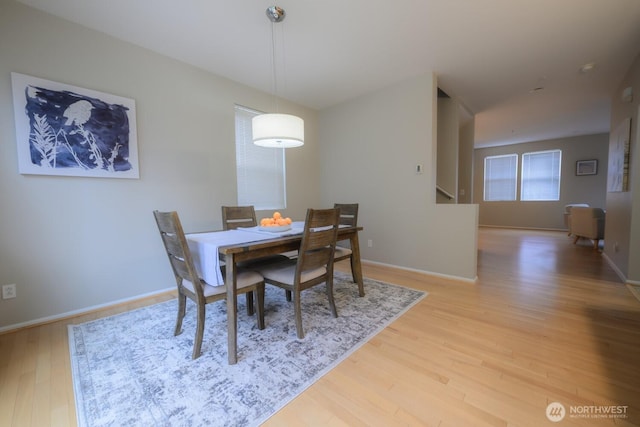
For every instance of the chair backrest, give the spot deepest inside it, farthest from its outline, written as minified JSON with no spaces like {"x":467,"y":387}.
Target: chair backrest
{"x":567,"y":212}
{"x":348,"y":213}
{"x":175,"y":243}
{"x":567,"y":208}
{"x":238,"y":216}
{"x":587,"y":222}
{"x":318,"y":240}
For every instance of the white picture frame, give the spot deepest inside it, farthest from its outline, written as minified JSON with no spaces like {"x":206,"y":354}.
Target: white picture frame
{"x":587,"y":167}
{"x":71,"y":131}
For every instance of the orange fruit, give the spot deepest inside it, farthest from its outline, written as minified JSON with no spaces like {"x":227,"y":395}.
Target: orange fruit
{"x":287,"y":220}
{"x":267,"y":222}
{"x":277,"y":215}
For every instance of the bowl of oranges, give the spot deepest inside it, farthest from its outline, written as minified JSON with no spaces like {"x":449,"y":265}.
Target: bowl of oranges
{"x":275,"y":223}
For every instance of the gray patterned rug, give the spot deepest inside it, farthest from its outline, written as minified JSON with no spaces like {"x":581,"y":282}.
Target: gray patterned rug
{"x":129,"y":369}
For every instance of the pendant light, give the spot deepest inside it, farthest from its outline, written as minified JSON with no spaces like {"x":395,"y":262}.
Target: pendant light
{"x":277,"y":130}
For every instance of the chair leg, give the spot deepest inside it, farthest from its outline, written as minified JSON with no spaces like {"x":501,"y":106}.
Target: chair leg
{"x":332,"y":303}
{"x":298,"y":312}
{"x":197,"y":344}
{"x":287,"y":295}
{"x":182,"y":307}
{"x":260,"y":309}
{"x":249,"y":297}
{"x":353,"y":269}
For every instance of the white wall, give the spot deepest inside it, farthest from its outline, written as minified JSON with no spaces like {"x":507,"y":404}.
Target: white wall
{"x":448,"y":148}
{"x":623,"y":208}
{"x":71,"y":243}
{"x":453,"y":240}
{"x":369,"y":148}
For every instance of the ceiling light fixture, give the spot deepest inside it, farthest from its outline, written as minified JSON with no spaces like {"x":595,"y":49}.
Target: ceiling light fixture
{"x":587,"y":68}
{"x":276,"y":130}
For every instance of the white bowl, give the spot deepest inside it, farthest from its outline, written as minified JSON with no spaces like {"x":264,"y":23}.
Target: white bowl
{"x":276,"y":228}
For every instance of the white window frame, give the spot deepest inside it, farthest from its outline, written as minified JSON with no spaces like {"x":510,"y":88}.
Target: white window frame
{"x":260,"y":171}
{"x":494,"y":166}
{"x":541,"y":174}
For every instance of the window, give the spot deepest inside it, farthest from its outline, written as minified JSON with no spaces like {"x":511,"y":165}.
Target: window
{"x":500,"y":177}
{"x":260,"y":171}
{"x":541,"y":175}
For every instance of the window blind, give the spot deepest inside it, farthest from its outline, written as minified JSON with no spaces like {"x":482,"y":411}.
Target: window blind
{"x":500,"y":177}
{"x":260,"y":171}
{"x":541,"y":175}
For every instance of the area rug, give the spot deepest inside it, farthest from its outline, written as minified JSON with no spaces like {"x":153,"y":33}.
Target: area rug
{"x":130,"y":370}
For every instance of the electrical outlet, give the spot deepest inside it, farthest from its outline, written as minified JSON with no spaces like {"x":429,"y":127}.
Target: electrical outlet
{"x":9,"y":291}
{"x":370,"y":243}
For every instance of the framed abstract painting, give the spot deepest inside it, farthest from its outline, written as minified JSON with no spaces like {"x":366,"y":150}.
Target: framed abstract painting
{"x":71,"y":131}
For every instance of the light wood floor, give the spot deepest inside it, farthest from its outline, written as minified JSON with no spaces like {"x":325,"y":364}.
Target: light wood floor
{"x":547,"y":321}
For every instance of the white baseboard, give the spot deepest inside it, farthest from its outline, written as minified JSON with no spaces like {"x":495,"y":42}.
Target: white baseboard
{"x":60,"y":316}
{"x":513,"y":227}
{"x":430,"y":273}
{"x":615,"y":268}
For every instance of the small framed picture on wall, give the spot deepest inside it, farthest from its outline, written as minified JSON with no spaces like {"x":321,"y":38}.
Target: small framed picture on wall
{"x":587,"y":167}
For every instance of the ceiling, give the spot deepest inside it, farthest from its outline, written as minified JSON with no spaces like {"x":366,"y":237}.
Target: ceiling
{"x":490,"y":55}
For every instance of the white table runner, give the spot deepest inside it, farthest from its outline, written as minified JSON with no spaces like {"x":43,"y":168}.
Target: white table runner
{"x":204,"y":247}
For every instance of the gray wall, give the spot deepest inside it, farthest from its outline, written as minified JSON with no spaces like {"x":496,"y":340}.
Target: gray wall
{"x":623,"y":208}
{"x":465,"y":162}
{"x":448,"y":148}
{"x":370,"y":147}
{"x":74,"y":243}
{"x":589,"y":189}
{"x":71,"y":243}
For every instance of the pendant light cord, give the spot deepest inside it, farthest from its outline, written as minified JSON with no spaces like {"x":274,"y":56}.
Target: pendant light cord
{"x":273,"y":66}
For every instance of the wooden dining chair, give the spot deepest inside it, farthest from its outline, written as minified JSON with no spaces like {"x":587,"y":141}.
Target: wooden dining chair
{"x":238,"y":216}
{"x":348,"y":216}
{"x":314,"y":264}
{"x":234,"y":217}
{"x":191,"y":286}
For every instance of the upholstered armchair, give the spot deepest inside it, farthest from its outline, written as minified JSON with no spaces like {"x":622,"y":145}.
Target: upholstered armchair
{"x":567,"y":214}
{"x":587,"y":223}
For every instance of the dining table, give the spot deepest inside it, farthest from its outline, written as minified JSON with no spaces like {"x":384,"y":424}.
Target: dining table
{"x":232,"y":247}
